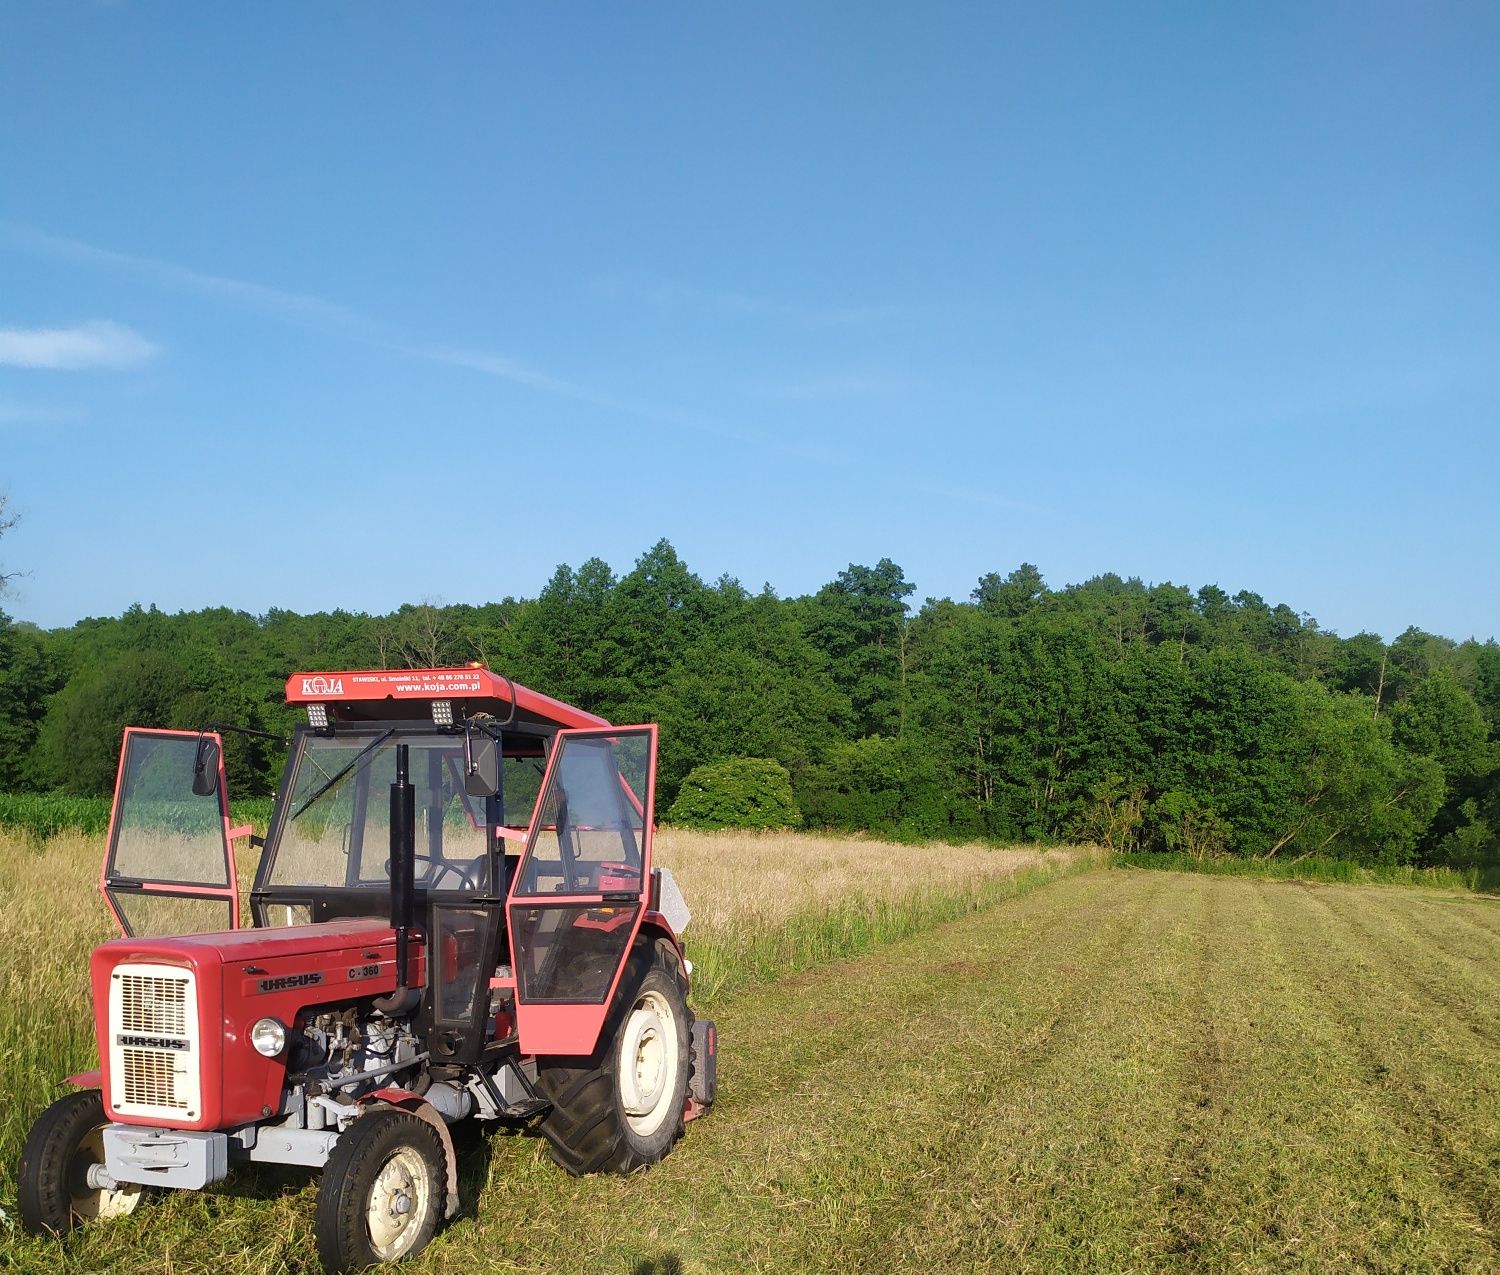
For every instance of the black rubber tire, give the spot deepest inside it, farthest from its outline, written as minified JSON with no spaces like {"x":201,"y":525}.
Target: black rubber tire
{"x":587,"y":1127}
{"x":351,"y":1179}
{"x":49,"y":1178}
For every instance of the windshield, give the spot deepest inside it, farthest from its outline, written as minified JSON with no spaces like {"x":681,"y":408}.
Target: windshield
{"x":337,"y":829}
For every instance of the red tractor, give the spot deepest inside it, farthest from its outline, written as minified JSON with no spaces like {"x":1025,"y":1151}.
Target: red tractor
{"x":455,"y":916}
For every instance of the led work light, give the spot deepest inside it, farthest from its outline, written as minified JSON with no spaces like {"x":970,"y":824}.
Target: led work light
{"x":317,"y":716}
{"x":442,"y":712}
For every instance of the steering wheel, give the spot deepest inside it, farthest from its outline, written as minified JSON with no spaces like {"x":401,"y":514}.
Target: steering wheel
{"x":437,"y":869}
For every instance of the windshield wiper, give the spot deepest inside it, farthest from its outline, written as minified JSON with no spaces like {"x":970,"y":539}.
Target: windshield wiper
{"x":357,"y":758}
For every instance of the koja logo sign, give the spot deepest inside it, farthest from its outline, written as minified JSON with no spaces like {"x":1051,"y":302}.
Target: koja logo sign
{"x":322,"y":686}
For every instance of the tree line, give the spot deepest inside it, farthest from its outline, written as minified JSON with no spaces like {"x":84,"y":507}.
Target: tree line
{"x":1143,"y":717}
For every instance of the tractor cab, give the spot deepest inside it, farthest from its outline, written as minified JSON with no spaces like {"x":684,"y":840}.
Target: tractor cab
{"x":497,"y":776}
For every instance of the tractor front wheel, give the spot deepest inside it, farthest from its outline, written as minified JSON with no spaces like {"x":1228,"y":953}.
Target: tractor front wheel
{"x":53,"y":1175}
{"x":382,"y":1192}
{"x":622,"y":1108}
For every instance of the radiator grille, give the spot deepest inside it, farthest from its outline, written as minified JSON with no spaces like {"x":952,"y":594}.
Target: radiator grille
{"x":155,"y":1006}
{"x":154,"y":1046}
{"x":150,"y":1078}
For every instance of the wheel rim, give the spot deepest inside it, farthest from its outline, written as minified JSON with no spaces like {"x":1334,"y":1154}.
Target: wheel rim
{"x":399,"y":1201}
{"x":89,"y":1204}
{"x":648,"y":1063}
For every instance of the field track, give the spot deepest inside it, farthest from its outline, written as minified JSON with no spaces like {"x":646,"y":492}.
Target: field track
{"x":1120,"y":1071}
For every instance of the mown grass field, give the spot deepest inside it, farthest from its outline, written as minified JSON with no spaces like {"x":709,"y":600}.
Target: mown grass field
{"x":1122,"y":1071}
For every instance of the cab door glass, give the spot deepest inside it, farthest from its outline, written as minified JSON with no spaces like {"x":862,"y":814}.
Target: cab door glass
{"x":588,"y":838}
{"x":168,"y":866}
{"x":162,"y":830}
{"x":577,"y":900}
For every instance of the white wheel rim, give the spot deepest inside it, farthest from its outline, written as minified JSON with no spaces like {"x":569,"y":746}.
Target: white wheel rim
{"x":89,"y":1204}
{"x":399,"y":1201}
{"x":647,"y":1063}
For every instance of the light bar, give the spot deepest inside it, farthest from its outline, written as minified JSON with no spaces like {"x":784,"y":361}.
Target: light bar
{"x":442,"y":712}
{"x":317,"y":716}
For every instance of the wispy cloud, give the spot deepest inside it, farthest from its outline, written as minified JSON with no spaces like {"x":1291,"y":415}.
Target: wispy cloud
{"x":506,"y":369}
{"x":97,"y":344}
{"x":279,"y":302}
{"x":341,"y":321}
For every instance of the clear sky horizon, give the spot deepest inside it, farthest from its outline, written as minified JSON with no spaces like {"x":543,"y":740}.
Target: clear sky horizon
{"x":354,"y":305}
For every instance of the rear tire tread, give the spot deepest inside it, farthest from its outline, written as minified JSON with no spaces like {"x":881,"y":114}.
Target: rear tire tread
{"x":585,"y":1128}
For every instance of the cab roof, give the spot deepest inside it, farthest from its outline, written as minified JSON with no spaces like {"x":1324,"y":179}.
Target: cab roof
{"x":392,"y":694}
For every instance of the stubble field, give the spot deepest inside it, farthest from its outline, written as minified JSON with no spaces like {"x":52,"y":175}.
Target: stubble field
{"x":1119,"y":1071}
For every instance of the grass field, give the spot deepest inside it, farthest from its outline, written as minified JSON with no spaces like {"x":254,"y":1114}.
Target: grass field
{"x":763,"y":904}
{"x":1122,"y":1071}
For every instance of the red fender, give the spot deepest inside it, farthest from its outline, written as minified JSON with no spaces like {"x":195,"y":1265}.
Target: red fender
{"x":424,"y":1110}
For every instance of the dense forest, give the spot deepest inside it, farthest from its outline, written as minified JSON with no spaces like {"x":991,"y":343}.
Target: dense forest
{"x":1145,"y":717}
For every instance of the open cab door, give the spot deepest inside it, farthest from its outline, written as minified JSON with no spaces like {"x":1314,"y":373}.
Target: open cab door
{"x":169,"y":863}
{"x":579,"y":891}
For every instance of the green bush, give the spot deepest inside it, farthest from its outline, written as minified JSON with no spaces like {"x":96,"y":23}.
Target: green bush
{"x":743,"y":792}
{"x":880,"y":785}
{"x":1182,"y":824}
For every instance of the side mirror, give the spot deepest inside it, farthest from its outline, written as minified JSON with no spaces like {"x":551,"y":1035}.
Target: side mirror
{"x":206,"y":769}
{"x":481,"y":763}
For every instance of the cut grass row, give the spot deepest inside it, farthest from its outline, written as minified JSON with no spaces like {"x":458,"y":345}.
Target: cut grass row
{"x":1330,"y":871}
{"x":1127,"y":1071}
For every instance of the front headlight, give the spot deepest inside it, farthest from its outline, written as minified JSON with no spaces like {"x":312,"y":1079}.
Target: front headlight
{"x":268,"y":1036}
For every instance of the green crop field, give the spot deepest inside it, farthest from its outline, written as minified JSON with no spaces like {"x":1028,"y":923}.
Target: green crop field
{"x":1118,"y":1071}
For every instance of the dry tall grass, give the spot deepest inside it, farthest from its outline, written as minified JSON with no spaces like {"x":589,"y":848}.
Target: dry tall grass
{"x":766,"y":903}
{"x":51,"y":918}
{"x":760,"y":879}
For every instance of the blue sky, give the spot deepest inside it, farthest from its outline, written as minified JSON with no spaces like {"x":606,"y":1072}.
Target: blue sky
{"x":354,"y":304}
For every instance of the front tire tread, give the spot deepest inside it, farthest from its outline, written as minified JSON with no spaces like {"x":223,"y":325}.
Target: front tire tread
{"x":344,"y":1244}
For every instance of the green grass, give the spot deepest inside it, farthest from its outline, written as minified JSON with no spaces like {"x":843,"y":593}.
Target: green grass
{"x":1339,"y":871}
{"x":1124,"y":1071}
{"x":45,"y":815}
{"x":48,"y":814}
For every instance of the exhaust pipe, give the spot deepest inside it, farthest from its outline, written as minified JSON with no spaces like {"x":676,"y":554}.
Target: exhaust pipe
{"x":403,"y":884}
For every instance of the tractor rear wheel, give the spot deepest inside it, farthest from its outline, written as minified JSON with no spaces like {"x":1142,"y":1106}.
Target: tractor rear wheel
{"x":621,"y":1108}
{"x":382,"y":1192}
{"x":52,"y":1177}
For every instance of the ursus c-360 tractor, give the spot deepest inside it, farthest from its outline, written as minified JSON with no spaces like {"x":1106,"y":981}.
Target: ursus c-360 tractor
{"x":421,"y":953}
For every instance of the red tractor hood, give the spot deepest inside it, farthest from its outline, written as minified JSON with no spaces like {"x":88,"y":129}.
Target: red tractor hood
{"x":228,"y":946}
{"x":237,"y":978}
